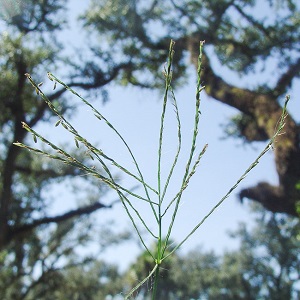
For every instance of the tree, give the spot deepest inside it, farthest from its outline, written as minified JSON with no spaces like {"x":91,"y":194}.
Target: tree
{"x":91,"y":281}
{"x":269,"y":257}
{"x":236,"y":37}
{"x":266,"y":266}
{"x":33,"y":242}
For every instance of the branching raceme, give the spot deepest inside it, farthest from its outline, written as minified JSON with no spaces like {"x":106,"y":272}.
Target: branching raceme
{"x":126,"y":195}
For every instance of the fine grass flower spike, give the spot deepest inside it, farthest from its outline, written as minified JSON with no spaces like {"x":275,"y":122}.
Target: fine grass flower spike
{"x":155,"y":199}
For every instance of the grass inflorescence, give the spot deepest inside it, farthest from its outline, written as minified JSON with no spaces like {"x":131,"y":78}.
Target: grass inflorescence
{"x":155,"y":197}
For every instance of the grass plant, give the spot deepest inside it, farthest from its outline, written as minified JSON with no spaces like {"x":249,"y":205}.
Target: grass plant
{"x":155,"y":198}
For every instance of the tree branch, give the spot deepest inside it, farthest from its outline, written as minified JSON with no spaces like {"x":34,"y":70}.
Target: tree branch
{"x":264,"y":111}
{"x":285,"y":81}
{"x":85,"y":210}
{"x":273,"y":198}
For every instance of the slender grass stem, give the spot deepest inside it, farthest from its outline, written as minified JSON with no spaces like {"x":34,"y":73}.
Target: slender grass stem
{"x":178,"y":146}
{"x":193,"y":144}
{"x":168,"y":80}
{"x":134,"y":224}
{"x":101,"y":117}
{"x":193,"y":171}
{"x":155,"y":286}
{"x":72,"y":130}
{"x":253,"y":165}
{"x":142,"y":282}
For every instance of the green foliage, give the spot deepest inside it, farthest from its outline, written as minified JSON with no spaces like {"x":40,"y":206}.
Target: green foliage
{"x":241,"y":39}
{"x":266,"y":266}
{"x":17,"y":57}
{"x":241,"y":126}
{"x":36,"y":15}
{"x":89,"y":281}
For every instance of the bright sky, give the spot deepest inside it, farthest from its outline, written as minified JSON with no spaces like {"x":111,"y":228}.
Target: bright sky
{"x":136,"y":114}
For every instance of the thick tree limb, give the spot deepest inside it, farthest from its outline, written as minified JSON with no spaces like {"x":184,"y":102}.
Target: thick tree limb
{"x":265,"y":112}
{"x":273,"y":198}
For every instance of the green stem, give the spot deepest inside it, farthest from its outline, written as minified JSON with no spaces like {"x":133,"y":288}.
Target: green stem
{"x":193,"y":145}
{"x":156,"y":279}
{"x":281,"y":124}
{"x":141,"y":283}
{"x":168,"y":75}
